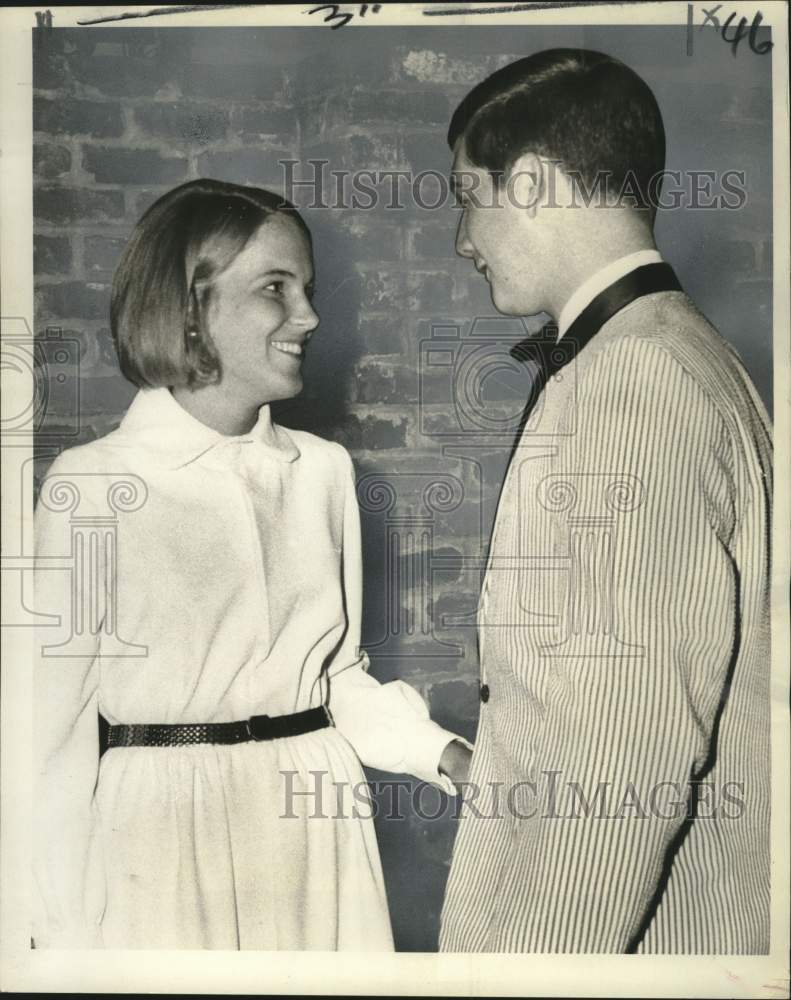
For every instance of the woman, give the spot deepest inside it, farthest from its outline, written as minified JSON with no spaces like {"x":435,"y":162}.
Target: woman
{"x":221,"y":644}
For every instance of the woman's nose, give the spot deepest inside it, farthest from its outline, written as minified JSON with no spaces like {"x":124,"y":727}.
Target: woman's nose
{"x":306,"y":317}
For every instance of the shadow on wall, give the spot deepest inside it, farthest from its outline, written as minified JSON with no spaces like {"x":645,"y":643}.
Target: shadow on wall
{"x":336,"y":345}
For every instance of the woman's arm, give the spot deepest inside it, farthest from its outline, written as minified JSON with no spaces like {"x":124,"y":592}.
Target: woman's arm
{"x":387,"y":724}
{"x":68,"y":883}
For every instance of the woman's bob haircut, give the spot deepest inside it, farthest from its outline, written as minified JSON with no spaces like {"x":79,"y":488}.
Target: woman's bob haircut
{"x":163,"y":282}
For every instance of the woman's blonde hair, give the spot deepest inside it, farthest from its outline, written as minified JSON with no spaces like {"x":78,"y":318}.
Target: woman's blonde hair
{"x":163,"y":281}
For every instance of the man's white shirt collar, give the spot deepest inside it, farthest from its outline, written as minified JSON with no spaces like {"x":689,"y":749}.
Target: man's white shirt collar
{"x":602,"y":279}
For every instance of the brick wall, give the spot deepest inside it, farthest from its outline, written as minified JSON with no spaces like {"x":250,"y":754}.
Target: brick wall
{"x":121,"y":116}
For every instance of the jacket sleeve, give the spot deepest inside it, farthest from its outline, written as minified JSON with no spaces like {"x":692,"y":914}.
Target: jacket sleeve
{"x":387,"y":724}
{"x":68,"y":877}
{"x":649,"y":628}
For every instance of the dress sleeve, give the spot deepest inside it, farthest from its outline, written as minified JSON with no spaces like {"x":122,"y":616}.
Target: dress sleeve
{"x":629,"y":724}
{"x":387,"y":724}
{"x":68,"y":878}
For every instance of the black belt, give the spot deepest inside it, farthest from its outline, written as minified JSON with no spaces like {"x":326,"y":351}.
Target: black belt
{"x":259,"y":727}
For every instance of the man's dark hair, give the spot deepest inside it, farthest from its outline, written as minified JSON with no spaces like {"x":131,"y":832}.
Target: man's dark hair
{"x":585,"y":109}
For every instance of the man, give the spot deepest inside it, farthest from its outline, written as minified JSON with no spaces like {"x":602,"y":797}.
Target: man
{"x":619,"y":787}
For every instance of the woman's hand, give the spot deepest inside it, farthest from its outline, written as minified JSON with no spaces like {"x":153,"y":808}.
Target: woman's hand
{"x":455,"y":762}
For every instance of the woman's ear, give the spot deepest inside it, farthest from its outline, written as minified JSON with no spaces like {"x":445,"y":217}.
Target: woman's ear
{"x":202,"y":358}
{"x":526,"y":183}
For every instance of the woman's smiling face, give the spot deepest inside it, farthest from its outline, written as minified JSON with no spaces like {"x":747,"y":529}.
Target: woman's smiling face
{"x":260,"y":314}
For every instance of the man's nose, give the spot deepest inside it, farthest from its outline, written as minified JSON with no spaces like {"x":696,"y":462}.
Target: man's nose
{"x":464,"y":247}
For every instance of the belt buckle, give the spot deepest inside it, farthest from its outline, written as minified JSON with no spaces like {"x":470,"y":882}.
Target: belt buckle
{"x":253,"y":727}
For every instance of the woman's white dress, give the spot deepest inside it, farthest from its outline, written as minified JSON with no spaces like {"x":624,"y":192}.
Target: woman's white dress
{"x":194,"y":577}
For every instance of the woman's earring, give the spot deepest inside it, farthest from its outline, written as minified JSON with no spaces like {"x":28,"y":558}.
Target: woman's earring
{"x":192,"y":333}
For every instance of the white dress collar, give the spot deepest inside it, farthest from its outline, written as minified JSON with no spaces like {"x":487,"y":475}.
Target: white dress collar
{"x":602,"y":279}
{"x":157,"y":423}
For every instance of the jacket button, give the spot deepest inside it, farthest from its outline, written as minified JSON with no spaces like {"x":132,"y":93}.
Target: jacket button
{"x":484,"y":693}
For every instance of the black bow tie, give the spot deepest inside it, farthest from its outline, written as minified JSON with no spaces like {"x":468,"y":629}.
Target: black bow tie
{"x":550,"y":355}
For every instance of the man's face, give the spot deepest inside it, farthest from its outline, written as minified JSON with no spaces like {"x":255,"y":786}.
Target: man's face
{"x":495,"y":233}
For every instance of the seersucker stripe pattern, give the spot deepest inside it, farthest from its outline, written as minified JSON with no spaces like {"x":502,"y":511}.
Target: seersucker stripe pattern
{"x":624,"y":640}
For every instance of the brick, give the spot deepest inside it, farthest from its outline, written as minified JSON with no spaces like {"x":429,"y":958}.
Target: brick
{"x":88,"y":342}
{"x":341,"y":68}
{"x":250,"y":81}
{"x":383,"y":290}
{"x":101,"y":254}
{"x":127,"y":76}
{"x":450,"y":554}
{"x":385,"y":382}
{"x":106,"y":395}
{"x":429,"y":291}
{"x":69,"y":116}
{"x":383,"y":334}
{"x":452,"y":605}
{"x":101,"y":396}
{"x":60,"y":349}
{"x":433,"y":241}
{"x":246,"y":166}
{"x":430,"y":66}
{"x":477,"y":422}
{"x":194,"y":124}
{"x":306,"y":180}
{"x":246,"y":44}
{"x":145,"y":199}
{"x":51,"y":69}
{"x":372,"y":433}
{"x":410,"y":464}
{"x":51,"y":161}
{"x":66,"y":205}
{"x":104,"y":349}
{"x":425,"y":107}
{"x":365,"y":238}
{"x":313,"y":118}
{"x":265,"y":124}
{"x":51,"y":254}
{"x":73,"y":299}
{"x":359,"y":152}
{"x":133,"y":166}
{"x":454,"y":706}
{"x":428,"y":151}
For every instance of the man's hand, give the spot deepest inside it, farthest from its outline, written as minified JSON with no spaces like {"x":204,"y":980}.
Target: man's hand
{"x":455,"y":762}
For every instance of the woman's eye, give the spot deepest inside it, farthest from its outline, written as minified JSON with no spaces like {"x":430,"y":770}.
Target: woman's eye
{"x":274,"y":286}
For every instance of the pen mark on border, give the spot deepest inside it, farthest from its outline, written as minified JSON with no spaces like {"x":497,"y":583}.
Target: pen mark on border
{"x":516,"y":8}
{"x":159,"y":11}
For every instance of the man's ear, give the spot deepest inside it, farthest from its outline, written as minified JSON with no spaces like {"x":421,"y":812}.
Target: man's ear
{"x":526,"y":183}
